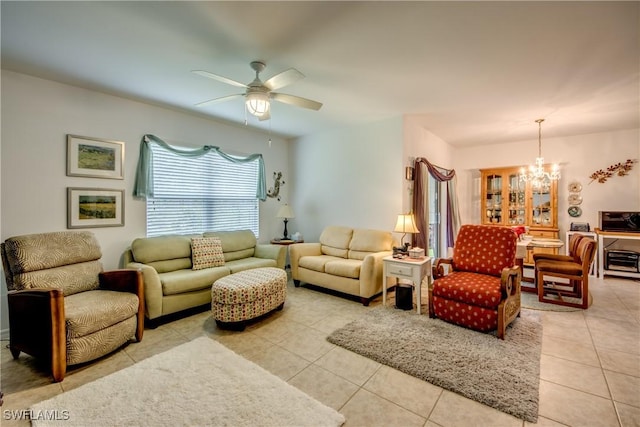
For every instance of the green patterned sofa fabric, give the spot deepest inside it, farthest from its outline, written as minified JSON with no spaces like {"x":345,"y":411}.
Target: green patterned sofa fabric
{"x":71,"y":279}
{"x":99,"y":343}
{"x":89,"y":312}
{"x":180,"y":281}
{"x":48,"y":250}
{"x":249,"y":263}
{"x":234,"y":241}
{"x":236,"y":255}
{"x":168,"y":265}
{"x":150,"y":249}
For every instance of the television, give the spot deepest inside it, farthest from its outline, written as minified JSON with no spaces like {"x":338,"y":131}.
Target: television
{"x":620,"y":221}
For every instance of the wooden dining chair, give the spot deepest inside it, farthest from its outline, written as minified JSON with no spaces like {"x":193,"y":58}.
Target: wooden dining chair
{"x":573,"y":291}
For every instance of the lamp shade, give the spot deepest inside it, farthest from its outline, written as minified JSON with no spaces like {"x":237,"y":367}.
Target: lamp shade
{"x":285,"y":211}
{"x":406,"y":224}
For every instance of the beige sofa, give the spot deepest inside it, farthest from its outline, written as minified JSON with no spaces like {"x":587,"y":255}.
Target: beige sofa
{"x":347,"y":260}
{"x":171,"y":284}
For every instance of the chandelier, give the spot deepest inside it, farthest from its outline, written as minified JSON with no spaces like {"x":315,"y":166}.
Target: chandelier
{"x":536,"y":174}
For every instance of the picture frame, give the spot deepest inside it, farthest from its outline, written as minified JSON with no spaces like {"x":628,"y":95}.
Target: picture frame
{"x":94,"y":207}
{"x":94,"y":157}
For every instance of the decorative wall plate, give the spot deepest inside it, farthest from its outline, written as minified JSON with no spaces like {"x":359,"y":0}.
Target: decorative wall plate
{"x":575,"y":187}
{"x":574,"y":211}
{"x":575,"y":199}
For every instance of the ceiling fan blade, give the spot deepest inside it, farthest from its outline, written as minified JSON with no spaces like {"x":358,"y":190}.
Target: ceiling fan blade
{"x":296,"y":100}
{"x":283,"y":79}
{"x":218,"y":78}
{"x":265,"y":116}
{"x":218,"y":100}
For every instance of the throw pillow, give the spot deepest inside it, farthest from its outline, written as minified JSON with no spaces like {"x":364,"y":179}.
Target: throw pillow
{"x":206,"y":252}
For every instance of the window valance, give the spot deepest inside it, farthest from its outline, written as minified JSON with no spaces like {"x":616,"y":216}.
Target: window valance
{"x":143,"y":187}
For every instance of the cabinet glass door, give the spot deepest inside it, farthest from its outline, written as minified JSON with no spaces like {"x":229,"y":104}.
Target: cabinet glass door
{"x":542,"y":209}
{"x":516,"y":209}
{"x":493,"y":201}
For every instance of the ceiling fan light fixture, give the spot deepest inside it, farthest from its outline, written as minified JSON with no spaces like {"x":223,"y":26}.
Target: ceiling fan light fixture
{"x":258,"y":103}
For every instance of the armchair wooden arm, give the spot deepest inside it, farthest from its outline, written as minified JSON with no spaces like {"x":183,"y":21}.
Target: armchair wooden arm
{"x":126,"y":280}
{"x":510,"y":281}
{"x":37,"y":324}
{"x":509,"y":307}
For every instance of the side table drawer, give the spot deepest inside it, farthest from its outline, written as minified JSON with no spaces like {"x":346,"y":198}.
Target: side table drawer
{"x":400,"y":270}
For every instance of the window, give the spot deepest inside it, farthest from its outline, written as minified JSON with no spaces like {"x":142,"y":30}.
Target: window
{"x":197,"y":194}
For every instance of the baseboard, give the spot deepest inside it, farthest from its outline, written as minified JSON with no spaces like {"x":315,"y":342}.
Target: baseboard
{"x":4,"y":334}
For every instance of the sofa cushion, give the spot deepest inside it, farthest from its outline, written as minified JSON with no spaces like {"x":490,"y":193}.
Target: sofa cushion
{"x":344,"y":268}
{"x":364,"y":242}
{"x":335,"y":240}
{"x":249,"y":263}
{"x":71,"y":279}
{"x":149,"y":249}
{"x":41,"y":251}
{"x":91,"y":311}
{"x":181,"y":281}
{"x":471,"y":288}
{"x":235,"y":244}
{"x":206,"y":252}
{"x":485,"y":249}
{"x":316,"y":262}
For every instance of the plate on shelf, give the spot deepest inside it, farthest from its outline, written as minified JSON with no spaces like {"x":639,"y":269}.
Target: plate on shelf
{"x":575,"y":199}
{"x":575,"y":187}
{"x":574,"y":211}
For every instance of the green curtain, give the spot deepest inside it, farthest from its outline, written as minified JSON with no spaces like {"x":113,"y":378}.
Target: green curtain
{"x":143,"y":187}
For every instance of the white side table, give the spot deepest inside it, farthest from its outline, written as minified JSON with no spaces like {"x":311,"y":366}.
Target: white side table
{"x":406,"y":268}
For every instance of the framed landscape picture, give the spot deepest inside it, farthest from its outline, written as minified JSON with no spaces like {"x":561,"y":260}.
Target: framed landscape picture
{"x":94,"y":207}
{"x":94,"y":157}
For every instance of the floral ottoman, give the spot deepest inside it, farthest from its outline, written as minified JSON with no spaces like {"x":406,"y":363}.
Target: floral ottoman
{"x":246,"y":295}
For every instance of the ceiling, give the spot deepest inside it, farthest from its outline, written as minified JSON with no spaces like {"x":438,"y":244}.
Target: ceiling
{"x":472,"y":73}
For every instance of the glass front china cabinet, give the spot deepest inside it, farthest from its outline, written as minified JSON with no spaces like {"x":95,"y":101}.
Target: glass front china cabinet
{"x":509,"y":201}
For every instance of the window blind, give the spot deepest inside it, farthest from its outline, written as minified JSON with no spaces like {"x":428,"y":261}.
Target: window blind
{"x":198,"y":194}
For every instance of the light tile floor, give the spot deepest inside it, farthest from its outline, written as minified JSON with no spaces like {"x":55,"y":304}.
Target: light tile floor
{"x":590,"y":364}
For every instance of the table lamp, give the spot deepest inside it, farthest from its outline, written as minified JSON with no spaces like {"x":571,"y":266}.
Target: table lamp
{"x":406,"y":224}
{"x":285,"y":212}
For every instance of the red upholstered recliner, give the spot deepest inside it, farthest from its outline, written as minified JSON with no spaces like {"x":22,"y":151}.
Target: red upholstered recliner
{"x":482,"y":288}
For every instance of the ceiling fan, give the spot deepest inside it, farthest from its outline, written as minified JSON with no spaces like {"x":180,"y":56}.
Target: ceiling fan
{"x":258,"y":94}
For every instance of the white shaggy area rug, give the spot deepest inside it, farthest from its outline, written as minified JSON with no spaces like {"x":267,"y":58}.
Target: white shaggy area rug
{"x":200,"y":383}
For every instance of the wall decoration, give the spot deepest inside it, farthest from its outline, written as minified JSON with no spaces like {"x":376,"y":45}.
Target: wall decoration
{"x":275,"y":190}
{"x":575,"y":199}
{"x":574,"y":211}
{"x":575,"y":187}
{"x":94,"y":207}
{"x":94,"y":157}
{"x":620,"y":169}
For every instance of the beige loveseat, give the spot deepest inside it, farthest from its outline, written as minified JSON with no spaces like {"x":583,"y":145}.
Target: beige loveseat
{"x":172,"y":284}
{"x":347,"y":260}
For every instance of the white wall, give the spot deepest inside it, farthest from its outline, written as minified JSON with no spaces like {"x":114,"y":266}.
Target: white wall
{"x":351,"y":177}
{"x":579,"y":156}
{"x":38,"y":114}
{"x":420,"y":142}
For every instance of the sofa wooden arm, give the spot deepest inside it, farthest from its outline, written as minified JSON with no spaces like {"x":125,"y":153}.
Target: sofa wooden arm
{"x":127,"y":280}
{"x":438,"y":267}
{"x":510,"y":281}
{"x":124,"y":280}
{"x":37,"y":328}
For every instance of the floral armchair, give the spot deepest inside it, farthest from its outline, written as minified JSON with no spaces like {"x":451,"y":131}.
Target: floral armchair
{"x":482,"y":288}
{"x":62,"y":306}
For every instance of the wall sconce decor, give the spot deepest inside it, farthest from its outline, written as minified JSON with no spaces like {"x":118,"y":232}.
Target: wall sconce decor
{"x":408,"y":173}
{"x":620,"y":169}
{"x":275,"y":190}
